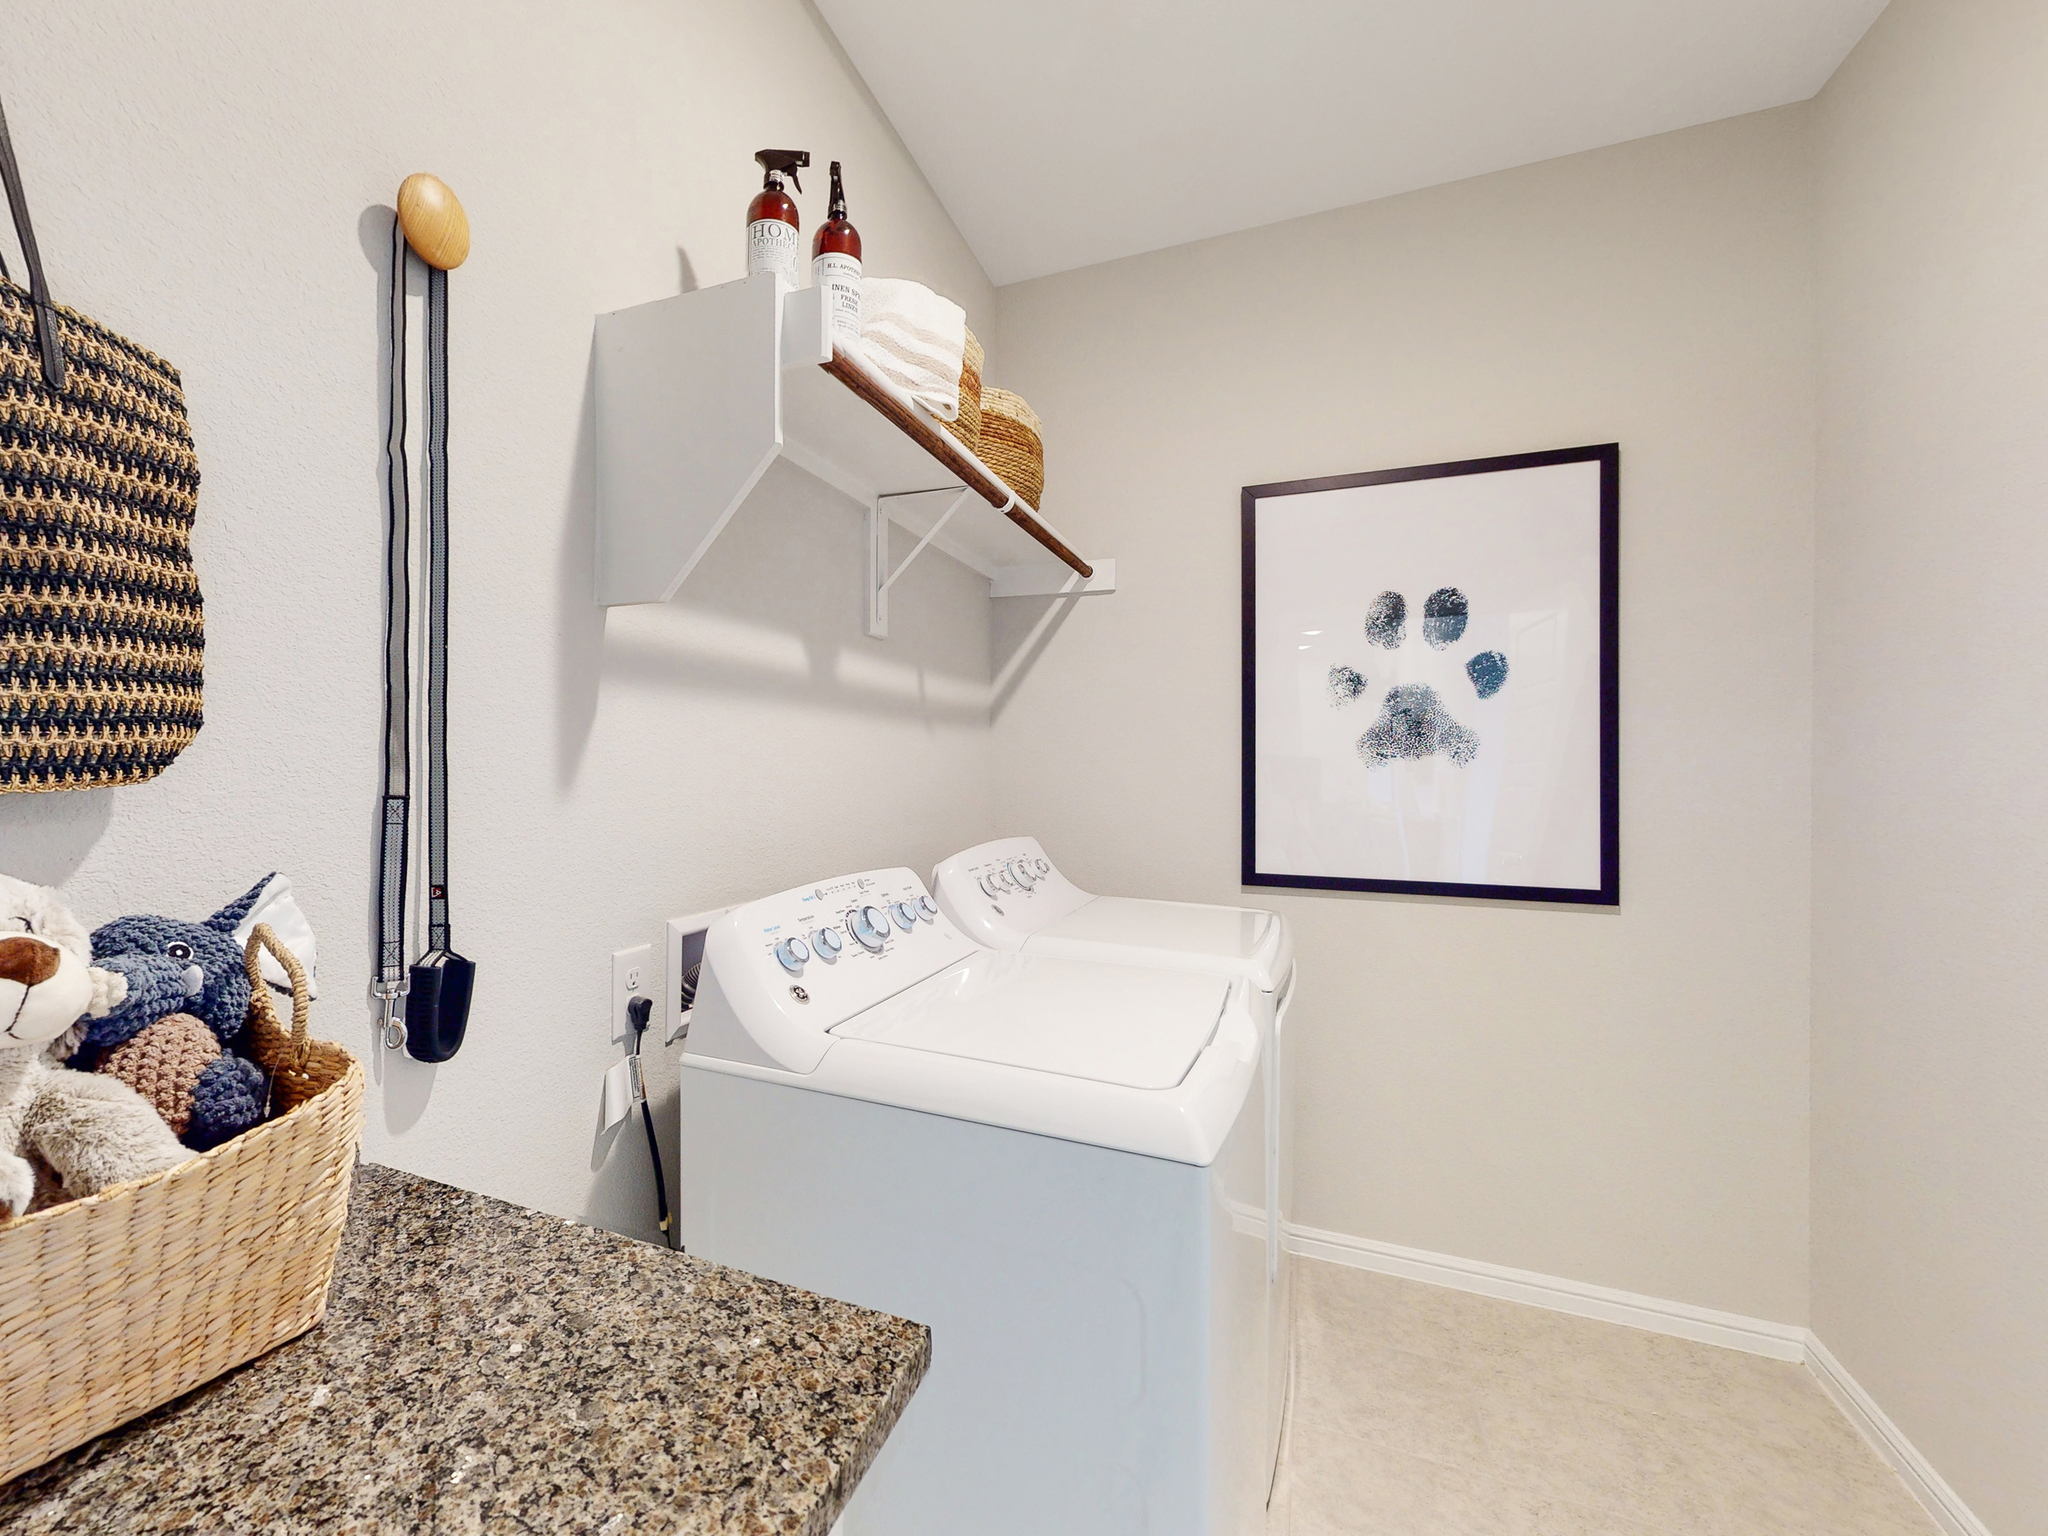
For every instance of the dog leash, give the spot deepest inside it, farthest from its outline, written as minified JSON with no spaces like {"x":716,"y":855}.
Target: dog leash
{"x":390,"y":985}
{"x":437,"y":989}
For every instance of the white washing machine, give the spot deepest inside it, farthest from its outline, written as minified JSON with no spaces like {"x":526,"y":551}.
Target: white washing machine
{"x":1009,"y":896}
{"x":1059,"y":1165}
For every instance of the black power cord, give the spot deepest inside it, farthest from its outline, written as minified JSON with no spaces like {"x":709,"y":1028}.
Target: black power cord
{"x":637,"y":1013}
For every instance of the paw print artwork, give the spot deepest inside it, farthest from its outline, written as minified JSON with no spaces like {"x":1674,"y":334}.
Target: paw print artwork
{"x":1414,"y":722}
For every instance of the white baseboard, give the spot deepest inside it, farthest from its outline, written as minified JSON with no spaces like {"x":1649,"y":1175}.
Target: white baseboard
{"x":1927,"y":1485}
{"x":1703,"y":1325}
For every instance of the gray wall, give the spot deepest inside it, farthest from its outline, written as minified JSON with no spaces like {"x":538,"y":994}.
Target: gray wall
{"x":1615,"y":1096}
{"x":214,"y":180}
{"x":1931,"y":710}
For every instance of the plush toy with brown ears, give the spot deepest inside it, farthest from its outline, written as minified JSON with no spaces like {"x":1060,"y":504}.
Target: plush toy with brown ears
{"x":90,"y":1131}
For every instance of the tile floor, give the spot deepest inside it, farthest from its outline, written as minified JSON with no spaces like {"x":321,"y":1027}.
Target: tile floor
{"x":1420,"y":1411}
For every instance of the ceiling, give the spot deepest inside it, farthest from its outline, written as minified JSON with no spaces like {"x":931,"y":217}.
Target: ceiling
{"x":1065,"y":132}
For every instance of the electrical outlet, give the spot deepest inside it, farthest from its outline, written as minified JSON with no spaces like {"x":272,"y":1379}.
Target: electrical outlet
{"x":629,"y":980}
{"x":685,"y":951}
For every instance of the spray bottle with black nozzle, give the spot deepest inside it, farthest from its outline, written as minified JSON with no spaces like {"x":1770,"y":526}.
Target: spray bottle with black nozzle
{"x":771,"y":217}
{"x":835,"y":268}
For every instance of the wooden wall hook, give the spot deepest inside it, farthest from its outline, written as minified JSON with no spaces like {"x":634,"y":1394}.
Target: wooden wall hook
{"x":435,"y":225}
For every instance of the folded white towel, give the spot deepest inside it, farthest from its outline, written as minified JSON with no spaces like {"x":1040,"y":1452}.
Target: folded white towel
{"x":277,"y":906}
{"x":915,"y":339}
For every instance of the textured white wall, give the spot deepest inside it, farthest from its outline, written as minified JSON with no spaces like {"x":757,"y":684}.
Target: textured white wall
{"x":1615,"y":1096}
{"x":1931,"y":713}
{"x":214,"y":180}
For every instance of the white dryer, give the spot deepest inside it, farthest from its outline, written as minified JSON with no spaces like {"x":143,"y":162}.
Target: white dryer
{"x":1057,"y":1164}
{"x":1009,"y":896}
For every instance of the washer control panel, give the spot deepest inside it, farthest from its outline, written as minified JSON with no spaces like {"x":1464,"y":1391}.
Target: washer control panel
{"x":780,"y":972}
{"x":1003,"y":892}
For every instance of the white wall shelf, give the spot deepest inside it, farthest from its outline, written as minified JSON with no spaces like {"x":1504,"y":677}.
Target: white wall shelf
{"x":698,"y":394}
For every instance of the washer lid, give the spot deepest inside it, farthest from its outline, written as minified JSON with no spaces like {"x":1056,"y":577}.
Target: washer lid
{"x":1105,"y":1023}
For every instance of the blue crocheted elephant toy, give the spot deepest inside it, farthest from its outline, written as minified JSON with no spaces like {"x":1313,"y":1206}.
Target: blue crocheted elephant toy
{"x":172,"y":967}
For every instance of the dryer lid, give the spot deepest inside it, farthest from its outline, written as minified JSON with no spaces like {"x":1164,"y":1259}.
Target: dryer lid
{"x":1225,"y":941}
{"x":1235,"y":933}
{"x":1114,"y":1024}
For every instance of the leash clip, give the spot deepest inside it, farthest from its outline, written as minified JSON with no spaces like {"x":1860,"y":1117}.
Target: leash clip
{"x":393,"y":1027}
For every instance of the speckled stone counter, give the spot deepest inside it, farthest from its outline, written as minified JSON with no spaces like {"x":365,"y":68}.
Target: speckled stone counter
{"x":486,"y":1369}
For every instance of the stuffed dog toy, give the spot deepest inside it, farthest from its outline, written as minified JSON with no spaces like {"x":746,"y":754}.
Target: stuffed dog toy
{"x":90,"y":1131}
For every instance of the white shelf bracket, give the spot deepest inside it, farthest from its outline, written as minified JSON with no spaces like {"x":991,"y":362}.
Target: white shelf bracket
{"x":1049,"y":578}
{"x":879,"y":583}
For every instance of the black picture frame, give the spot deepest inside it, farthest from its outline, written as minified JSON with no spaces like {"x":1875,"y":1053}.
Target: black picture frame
{"x":1608,"y":893}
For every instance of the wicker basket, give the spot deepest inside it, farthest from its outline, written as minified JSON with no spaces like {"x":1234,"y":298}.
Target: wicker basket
{"x":116,"y":1303}
{"x":968,"y":428}
{"x":1011,"y":445}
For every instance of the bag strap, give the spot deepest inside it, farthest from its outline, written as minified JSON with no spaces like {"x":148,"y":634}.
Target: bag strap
{"x":38,"y":289}
{"x":395,"y":838}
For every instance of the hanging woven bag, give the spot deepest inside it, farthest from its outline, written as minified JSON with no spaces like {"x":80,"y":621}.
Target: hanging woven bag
{"x":300,"y":1067}
{"x":101,"y":633}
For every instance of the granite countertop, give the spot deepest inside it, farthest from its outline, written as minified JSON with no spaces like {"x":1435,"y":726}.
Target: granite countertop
{"x":484,"y":1368}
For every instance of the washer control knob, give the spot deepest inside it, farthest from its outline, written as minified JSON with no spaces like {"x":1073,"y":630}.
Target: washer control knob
{"x":925,"y":908}
{"x":988,"y":887}
{"x":793,"y":953}
{"x":869,"y":925}
{"x":1020,"y":872}
{"x":827,"y":943}
{"x":1043,"y":867}
{"x":905,"y":915}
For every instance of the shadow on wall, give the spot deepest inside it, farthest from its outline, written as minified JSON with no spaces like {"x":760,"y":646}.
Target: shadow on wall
{"x":621,"y":1197}
{"x":46,"y":836}
{"x":1022,"y":629}
{"x":579,"y":622}
{"x":405,"y":1084}
{"x":775,"y":612}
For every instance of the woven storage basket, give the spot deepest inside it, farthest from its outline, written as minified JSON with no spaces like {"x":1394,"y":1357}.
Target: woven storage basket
{"x":116,"y":1303}
{"x":968,"y":428}
{"x":1011,"y":445}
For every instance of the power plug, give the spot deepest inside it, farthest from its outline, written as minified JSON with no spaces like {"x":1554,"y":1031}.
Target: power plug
{"x":632,"y":977}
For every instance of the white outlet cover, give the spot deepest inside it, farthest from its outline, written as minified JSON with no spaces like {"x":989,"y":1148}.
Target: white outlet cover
{"x":624,"y":962}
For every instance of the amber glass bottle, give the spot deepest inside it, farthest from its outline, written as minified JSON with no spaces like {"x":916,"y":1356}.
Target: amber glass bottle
{"x":772,"y":224}
{"x":835,"y":266}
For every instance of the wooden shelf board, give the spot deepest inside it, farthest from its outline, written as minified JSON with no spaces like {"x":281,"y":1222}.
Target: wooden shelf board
{"x":952,"y":455}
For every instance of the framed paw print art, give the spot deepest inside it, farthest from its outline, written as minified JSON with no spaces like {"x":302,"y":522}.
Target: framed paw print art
{"x":1430,"y":682}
